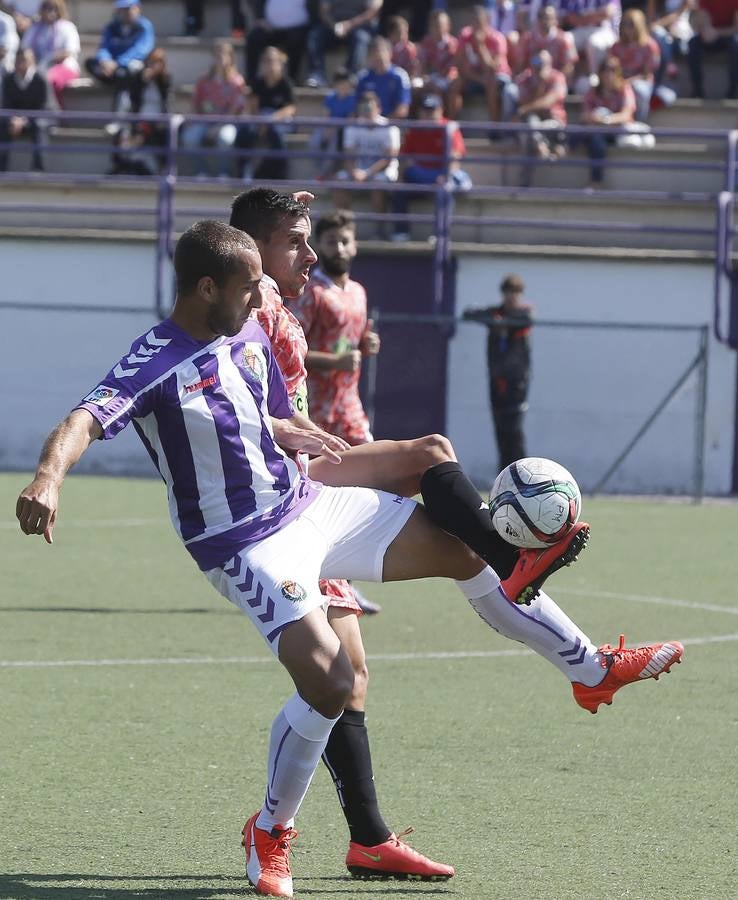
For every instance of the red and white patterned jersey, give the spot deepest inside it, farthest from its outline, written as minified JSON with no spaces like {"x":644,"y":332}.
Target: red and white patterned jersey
{"x":637,"y":59}
{"x":560,"y":44}
{"x":288,"y":342}
{"x":334,"y":321}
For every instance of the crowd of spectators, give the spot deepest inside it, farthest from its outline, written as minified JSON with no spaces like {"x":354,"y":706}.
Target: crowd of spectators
{"x":523,"y":58}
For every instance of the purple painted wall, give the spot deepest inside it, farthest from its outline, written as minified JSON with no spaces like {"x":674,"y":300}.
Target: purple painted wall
{"x":411,"y":367}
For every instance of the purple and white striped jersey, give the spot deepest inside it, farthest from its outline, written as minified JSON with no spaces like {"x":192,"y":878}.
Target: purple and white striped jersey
{"x":202,"y":410}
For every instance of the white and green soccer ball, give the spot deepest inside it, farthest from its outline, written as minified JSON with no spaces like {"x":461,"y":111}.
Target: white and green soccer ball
{"x":534,"y":502}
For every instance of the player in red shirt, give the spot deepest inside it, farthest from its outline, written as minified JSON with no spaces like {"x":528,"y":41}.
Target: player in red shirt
{"x":333,"y":313}
{"x":716,"y":27}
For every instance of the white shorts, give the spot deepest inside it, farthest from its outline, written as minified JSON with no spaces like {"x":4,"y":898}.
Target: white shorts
{"x":344,"y":533}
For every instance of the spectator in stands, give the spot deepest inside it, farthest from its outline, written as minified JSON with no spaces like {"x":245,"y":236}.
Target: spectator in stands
{"x":639,"y":57}
{"x":594,"y":27}
{"x":55,"y":42}
{"x":126,"y":42}
{"x":483,"y":64}
{"x":430,"y":156}
{"x":140,"y":142}
{"x":8,"y":42}
{"x":327,"y":142}
{"x":437,"y":55}
{"x":24,"y":88}
{"x":611,"y":102}
{"x":195,"y":18}
{"x":222,"y":91}
{"x":672,"y":30}
{"x":547,"y":35}
{"x":371,"y":147}
{"x":277,"y":23}
{"x":418,"y":12}
{"x":350,"y":22}
{"x":541,"y":92}
{"x":273,"y":98}
{"x":716,"y":27}
{"x":390,"y":83}
{"x":24,"y":13}
{"x":404,"y":51}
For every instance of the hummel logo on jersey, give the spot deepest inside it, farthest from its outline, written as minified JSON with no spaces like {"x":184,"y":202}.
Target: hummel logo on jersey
{"x":199,"y":385}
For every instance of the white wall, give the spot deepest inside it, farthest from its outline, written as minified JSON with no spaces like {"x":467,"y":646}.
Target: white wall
{"x":50,"y":360}
{"x":592,"y":389}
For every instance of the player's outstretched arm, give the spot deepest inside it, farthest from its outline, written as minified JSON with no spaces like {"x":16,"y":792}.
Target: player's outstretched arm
{"x":37,"y":504}
{"x":291,"y":434}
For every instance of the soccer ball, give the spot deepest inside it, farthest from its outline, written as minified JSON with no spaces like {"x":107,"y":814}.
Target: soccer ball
{"x":534,"y":502}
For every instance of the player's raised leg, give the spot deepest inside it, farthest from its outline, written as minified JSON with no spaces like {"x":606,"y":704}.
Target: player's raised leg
{"x":422,"y":550}
{"x":428,"y":465}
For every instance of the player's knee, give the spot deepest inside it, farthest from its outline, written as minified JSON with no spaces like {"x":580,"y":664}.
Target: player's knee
{"x":434,"y":449}
{"x":338,"y":684}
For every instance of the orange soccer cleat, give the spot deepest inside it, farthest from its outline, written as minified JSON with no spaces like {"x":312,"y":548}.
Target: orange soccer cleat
{"x":394,"y":859}
{"x":624,"y":666}
{"x":268,"y":858}
{"x":534,"y":566}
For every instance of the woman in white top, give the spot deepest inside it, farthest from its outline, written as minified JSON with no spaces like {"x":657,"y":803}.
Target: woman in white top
{"x":55,"y":41}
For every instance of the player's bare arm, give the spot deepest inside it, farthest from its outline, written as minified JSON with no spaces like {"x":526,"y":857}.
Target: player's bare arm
{"x":37,"y":504}
{"x":290,"y":434}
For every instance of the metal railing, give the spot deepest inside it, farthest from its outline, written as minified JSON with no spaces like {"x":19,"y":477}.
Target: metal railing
{"x":444,"y":221}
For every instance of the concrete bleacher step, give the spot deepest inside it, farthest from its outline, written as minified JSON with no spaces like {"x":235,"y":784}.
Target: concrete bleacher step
{"x":167,"y":16}
{"x":128,"y":206}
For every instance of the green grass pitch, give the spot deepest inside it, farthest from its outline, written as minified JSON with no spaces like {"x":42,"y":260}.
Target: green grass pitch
{"x":129,"y":771}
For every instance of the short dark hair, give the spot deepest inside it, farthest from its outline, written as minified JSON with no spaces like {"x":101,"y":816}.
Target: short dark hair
{"x":512,"y":282}
{"x":261,"y":211}
{"x":209,"y":248}
{"x":338,"y":218}
{"x":341,"y":74}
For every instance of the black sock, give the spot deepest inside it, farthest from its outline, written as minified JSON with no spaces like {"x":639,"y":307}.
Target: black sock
{"x":349,"y":761}
{"x":455,"y":505}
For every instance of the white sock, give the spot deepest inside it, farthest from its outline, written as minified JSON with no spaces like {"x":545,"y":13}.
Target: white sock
{"x":298,"y":738}
{"x":542,"y":626}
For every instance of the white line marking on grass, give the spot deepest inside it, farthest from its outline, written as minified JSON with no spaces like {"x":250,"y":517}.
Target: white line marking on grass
{"x":658,"y":601}
{"x":258,"y":660}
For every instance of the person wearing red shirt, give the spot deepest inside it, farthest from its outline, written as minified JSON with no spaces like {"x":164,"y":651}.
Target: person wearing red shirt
{"x":483,"y":65}
{"x":716,"y":27}
{"x":437,"y":52}
{"x":424,"y":151}
{"x":639,"y":56}
{"x":546,"y":35}
{"x":611,"y":102}
{"x":541,"y":96}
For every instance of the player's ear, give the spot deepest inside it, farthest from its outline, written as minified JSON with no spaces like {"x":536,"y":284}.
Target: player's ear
{"x":207,"y":289}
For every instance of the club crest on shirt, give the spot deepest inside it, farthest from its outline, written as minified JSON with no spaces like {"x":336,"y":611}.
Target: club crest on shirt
{"x":253,"y":363}
{"x":293,"y":591}
{"x":101,"y":396}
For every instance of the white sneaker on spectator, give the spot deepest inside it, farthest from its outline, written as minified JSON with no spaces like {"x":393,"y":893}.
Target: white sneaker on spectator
{"x":316,"y":80}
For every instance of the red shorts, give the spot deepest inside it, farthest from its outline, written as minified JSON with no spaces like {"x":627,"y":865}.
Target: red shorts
{"x":339,"y":593}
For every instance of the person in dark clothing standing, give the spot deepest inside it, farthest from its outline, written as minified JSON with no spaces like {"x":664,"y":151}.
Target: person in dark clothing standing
{"x":508,"y":362}
{"x":23,"y":89}
{"x":195,"y":18}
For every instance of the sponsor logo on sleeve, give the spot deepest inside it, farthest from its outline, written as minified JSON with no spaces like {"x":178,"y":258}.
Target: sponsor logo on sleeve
{"x":101,"y":396}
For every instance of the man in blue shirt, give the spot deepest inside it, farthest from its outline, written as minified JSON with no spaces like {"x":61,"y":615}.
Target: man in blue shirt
{"x":125,"y":43}
{"x":390,"y":83}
